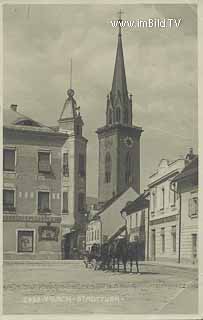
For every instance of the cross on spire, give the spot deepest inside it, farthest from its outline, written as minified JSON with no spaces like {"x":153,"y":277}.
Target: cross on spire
{"x":120,"y":12}
{"x":119,"y":21}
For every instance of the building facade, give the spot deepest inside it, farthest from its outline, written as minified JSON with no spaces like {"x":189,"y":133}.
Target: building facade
{"x":164,"y":222}
{"x":137,"y":213}
{"x":187,"y":187}
{"x":119,"y":139}
{"x":44,"y":185}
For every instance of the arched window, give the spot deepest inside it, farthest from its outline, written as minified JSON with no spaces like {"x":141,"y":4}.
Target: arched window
{"x":108,"y":166}
{"x":110,"y":116}
{"x":128,"y":171}
{"x":125,"y":116}
{"x":118,"y":114}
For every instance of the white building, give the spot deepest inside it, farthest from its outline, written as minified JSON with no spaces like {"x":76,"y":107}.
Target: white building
{"x":164,"y":212}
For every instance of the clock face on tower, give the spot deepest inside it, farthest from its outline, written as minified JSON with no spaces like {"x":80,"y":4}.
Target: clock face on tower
{"x":128,"y":142}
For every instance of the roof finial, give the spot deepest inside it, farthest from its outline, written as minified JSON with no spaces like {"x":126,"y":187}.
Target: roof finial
{"x":70,"y":91}
{"x":119,"y":21}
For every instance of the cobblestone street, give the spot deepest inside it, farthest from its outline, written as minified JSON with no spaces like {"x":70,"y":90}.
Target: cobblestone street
{"x":56,"y":287}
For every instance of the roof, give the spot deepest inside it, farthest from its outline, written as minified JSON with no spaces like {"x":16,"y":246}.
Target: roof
{"x":119,"y":84}
{"x":110,"y":202}
{"x":191,"y":169}
{"x":140,"y":203}
{"x":117,"y":233}
{"x":12,"y":119}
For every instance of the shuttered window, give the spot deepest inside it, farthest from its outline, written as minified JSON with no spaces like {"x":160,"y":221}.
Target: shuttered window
{"x":44,"y":162}
{"x":193,"y":207}
{"x":9,"y":160}
{"x":8,"y":200}
{"x":43,"y":202}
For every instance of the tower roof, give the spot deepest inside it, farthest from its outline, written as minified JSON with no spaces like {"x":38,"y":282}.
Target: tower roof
{"x":70,"y":107}
{"x":119,"y":84}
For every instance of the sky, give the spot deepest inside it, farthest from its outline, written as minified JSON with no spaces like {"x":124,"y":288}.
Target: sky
{"x":161,"y":71}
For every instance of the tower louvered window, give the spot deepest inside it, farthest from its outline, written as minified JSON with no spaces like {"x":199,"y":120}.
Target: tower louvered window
{"x":118,"y":114}
{"x":110,"y":116}
{"x":108,"y":166}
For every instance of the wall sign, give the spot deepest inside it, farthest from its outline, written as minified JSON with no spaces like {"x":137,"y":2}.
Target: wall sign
{"x":48,"y":233}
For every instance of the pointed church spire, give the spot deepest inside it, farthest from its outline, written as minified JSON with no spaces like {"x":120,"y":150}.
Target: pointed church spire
{"x":119,"y":84}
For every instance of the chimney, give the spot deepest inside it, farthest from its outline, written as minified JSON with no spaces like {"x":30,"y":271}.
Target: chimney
{"x":14,"y":107}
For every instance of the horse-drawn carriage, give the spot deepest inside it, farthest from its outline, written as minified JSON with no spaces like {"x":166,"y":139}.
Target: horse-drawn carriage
{"x":110,"y":254}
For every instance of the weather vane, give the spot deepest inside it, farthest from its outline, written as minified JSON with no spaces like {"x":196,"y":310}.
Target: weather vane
{"x":71,"y":73}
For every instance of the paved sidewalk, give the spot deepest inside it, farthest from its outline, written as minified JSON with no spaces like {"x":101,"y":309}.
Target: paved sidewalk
{"x":170,"y":264}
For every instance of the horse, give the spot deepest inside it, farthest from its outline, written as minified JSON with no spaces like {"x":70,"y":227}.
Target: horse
{"x":133,"y":255}
{"x":104,"y":256}
{"x":117,"y":252}
{"x":123,"y":250}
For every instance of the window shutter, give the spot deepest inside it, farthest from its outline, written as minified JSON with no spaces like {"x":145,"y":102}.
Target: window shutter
{"x":44,"y":162}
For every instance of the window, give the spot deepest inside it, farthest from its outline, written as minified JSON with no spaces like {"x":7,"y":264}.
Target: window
{"x":163,"y":240}
{"x":78,"y":130}
{"x":108,"y":167}
{"x":81,"y":202}
{"x":95,"y":235}
{"x":153,"y":201}
{"x":25,"y":241}
{"x":193,"y":207}
{"x":173,"y":234}
{"x":194,"y":245}
{"x":162,"y":198}
{"x":128,"y":177}
{"x":9,"y":160}
{"x":44,"y":162}
{"x":8,"y":200}
{"x":118,"y":114}
{"x":98,"y":234}
{"x":43,"y":202}
{"x":110,"y":116}
{"x":136,"y":219}
{"x":172,"y":195}
{"x":130,"y":221}
{"x":81,"y":165}
{"x":125,"y":116}
{"x":65,"y":165}
{"x":65,"y":202}
{"x":92,"y":235}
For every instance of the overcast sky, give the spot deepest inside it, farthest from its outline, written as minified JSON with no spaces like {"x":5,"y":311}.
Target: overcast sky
{"x":161,"y":69}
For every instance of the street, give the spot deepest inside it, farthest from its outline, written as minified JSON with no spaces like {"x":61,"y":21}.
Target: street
{"x":49,"y":287}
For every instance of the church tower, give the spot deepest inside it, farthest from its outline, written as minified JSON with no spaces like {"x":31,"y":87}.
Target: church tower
{"x":73,"y":172}
{"x":119,"y":139}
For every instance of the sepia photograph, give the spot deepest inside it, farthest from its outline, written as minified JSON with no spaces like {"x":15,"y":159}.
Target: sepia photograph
{"x":100,"y":159}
